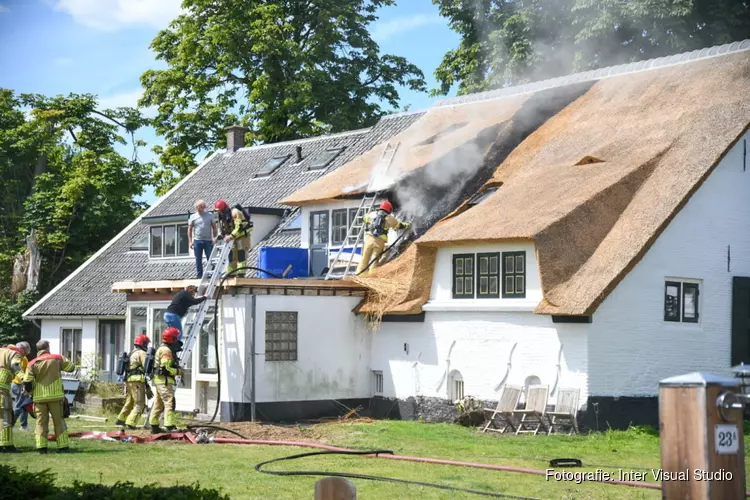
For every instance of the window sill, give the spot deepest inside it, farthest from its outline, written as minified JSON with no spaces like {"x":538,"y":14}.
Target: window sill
{"x":479,"y":305}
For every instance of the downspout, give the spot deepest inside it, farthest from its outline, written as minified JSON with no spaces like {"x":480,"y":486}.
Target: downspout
{"x":252,"y":360}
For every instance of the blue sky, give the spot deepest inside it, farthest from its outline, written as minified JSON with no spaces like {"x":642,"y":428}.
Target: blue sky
{"x":102,"y":47}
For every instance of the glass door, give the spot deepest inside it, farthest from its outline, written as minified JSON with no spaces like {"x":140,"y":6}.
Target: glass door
{"x":111,"y":343}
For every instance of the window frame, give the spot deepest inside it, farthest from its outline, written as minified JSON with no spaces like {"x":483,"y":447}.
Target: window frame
{"x":333,"y":153}
{"x":177,"y":228}
{"x":75,"y":356}
{"x":334,"y":227}
{"x":683,"y":286}
{"x":482,"y":196}
{"x":274,"y":355}
{"x":454,"y":276}
{"x":265,"y":170}
{"x":377,"y":382}
{"x":478,"y":279}
{"x":505,"y":274}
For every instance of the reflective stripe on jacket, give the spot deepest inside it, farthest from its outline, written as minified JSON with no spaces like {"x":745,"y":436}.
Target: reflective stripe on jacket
{"x":137,"y":359}
{"x":10,"y":363}
{"x":164,"y":359}
{"x":19,"y":376}
{"x":45,"y":371}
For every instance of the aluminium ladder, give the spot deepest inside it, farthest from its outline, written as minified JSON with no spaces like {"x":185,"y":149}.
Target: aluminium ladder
{"x":365,"y":207}
{"x":202,"y":317}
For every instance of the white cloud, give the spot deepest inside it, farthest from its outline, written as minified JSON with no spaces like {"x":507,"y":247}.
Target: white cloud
{"x":126,"y":98}
{"x":111,"y":15}
{"x":4,"y":8}
{"x":384,"y":30}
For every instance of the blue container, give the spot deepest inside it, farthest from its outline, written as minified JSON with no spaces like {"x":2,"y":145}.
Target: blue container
{"x":276,"y":260}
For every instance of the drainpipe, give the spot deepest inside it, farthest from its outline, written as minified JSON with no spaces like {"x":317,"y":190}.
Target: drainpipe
{"x":252,"y":358}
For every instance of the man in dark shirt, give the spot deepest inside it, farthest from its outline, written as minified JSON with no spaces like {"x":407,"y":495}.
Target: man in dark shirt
{"x":179,"y":307}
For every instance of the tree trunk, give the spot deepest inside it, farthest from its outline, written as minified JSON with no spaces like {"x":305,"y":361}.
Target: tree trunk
{"x":34,"y":261}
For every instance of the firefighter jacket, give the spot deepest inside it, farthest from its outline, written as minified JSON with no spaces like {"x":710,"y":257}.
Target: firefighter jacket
{"x":19,"y":376}
{"x":379,"y":222}
{"x":164,"y":369}
{"x":10,"y":364}
{"x":135,"y":369}
{"x":45,"y":372}
{"x":241,"y":228}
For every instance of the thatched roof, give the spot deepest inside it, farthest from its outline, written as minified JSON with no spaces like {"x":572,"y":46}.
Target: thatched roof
{"x":596,"y":184}
{"x":435,"y":135}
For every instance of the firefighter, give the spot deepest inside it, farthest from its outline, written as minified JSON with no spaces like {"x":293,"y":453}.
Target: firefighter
{"x":135,"y":384}
{"x":44,"y":381}
{"x":235,"y":225}
{"x":10,"y":365}
{"x":378,"y":223}
{"x":165,"y":371}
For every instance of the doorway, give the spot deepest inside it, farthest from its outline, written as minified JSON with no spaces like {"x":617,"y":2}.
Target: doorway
{"x":110,"y":344}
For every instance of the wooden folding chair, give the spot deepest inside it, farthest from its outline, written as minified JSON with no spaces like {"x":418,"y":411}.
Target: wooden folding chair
{"x":501,"y":417}
{"x":565,"y":412}
{"x":533,"y":416}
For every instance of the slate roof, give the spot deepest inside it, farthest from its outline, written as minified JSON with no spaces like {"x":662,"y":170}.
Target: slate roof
{"x":87,"y":291}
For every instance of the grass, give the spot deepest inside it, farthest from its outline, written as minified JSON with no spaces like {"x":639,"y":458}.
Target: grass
{"x":231,"y":467}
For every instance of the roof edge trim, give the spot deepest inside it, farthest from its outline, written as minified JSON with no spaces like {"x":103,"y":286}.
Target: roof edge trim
{"x":299,"y":141}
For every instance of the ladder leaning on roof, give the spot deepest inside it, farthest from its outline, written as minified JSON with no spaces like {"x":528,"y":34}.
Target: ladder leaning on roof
{"x":201,"y":318}
{"x":365,"y":207}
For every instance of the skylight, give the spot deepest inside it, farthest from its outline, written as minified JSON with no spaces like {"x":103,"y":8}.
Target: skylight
{"x":443,"y":132}
{"x":481,"y":196}
{"x":271,"y":165}
{"x":322,"y":160}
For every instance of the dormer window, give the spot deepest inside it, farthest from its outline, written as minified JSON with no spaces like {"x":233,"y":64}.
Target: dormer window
{"x":325,"y":158}
{"x":482,"y":195}
{"x":271,"y":165}
{"x":169,"y":240}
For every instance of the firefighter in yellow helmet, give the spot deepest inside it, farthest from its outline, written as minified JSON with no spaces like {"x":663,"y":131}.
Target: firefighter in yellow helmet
{"x":165,"y":371}
{"x":10,"y":365}
{"x":378,"y":223}
{"x":44,"y":381}
{"x":135,"y":385}
{"x":236,"y":226}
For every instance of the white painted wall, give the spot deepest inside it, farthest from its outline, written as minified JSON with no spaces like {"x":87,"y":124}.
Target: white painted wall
{"x":52,"y":331}
{"x":482,"y":350}
{"x":631,"y":347}
{"x":441,"y":293}
{"x":263,"y":224}
{"x":234,"y":362}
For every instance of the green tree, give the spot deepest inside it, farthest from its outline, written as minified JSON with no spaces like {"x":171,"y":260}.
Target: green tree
{"x":286,"y":69}
{"x":507,"y":42}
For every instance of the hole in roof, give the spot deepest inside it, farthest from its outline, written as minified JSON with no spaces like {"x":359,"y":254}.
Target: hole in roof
{"x":445,"y":131}
{"x":322,"y":160}
{"x":587,"y":160}
{"x":482,"y":195}
{"x":271,"y":165}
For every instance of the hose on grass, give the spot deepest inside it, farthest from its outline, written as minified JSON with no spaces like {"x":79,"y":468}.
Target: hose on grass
{"x":259,"y":468}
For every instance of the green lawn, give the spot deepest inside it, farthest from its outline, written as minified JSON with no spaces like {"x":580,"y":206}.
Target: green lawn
{"x":231,"y":467}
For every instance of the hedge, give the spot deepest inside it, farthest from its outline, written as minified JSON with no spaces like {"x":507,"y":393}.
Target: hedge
{"x":41,"y":485}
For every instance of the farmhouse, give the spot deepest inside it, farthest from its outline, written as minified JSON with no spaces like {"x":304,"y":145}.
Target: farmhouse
{"x":588,"y":231}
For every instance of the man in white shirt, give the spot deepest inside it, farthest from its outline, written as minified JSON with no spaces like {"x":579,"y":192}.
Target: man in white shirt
{"x":202,"y":234}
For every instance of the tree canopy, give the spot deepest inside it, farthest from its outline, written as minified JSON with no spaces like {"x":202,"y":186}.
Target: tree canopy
{"x":286,"y":69}
{"x":516,"y":41}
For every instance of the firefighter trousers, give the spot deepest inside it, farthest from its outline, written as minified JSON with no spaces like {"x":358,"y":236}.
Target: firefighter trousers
{"x":164,"y":403}
{"x":373,"y":250}
{"x":43,"y":411}
{"x":6,"y":418}
{"x":135,"y":402}
{"x":240,"y":250}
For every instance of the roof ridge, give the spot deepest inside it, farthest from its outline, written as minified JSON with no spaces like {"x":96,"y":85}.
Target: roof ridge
{"x":358,"y":131}
{"x":598,"y":74}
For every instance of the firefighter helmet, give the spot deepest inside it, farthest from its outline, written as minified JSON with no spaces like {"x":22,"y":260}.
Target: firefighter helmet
{"x":386,"y":205}
{"x":221,"y":205}
{"x":170,"y":335}
{"x":142,"y":340}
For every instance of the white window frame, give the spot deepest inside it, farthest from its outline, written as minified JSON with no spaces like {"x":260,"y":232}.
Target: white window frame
{"x":456,"y":387}
{"x":377,"y":382}
{"x":77,"y":334}
{"x":176,"y":226}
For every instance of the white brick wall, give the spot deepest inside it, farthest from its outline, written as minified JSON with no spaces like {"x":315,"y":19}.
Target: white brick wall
{"x":631,"y":347}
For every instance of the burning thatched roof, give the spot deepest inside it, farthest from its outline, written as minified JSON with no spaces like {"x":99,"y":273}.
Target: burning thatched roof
{"x":596,"y":184}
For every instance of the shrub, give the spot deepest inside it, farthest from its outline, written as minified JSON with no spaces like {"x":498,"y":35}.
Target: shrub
{"x":40,"y":485}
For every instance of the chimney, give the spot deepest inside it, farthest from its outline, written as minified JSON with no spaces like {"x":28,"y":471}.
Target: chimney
{"x":235,"y":137}
{"x":299,"y":154}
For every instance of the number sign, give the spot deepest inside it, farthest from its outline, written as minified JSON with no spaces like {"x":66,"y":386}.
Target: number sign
{"x":726,"y":439}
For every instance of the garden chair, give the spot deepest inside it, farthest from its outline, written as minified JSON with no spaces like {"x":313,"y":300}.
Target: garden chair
{"x":533,"y":416}
{"x":501,"y":417}
{"x":565,"y":412}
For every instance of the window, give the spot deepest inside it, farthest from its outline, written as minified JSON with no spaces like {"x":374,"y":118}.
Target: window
{"x":681,"y":301}
{"x":325,"y":158}
{"x":463,"y":276}
{"x":514,"y":275}
{"x":169,"y":241}
{"x":442,"y":133}
{"x":71,"y":344}
{"x":339,"y":227}
{"x":140,"y":244}
{"x":207,"y":349}
{"x":281,"y":336}
{"x":481,"y":196}
{"x":359,"y":222}
{"x":271,"y":165}
{"x":377,"y":378}
{"x":456,"y":386}
{"x":110,"y":344}
{"x":319,"y":228}
{"x":295,"y":223}
{"x":488,"y":275}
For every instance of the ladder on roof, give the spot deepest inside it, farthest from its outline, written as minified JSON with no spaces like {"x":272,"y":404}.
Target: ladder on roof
{"x":201,"y":318}
{"x":357,"y":226}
